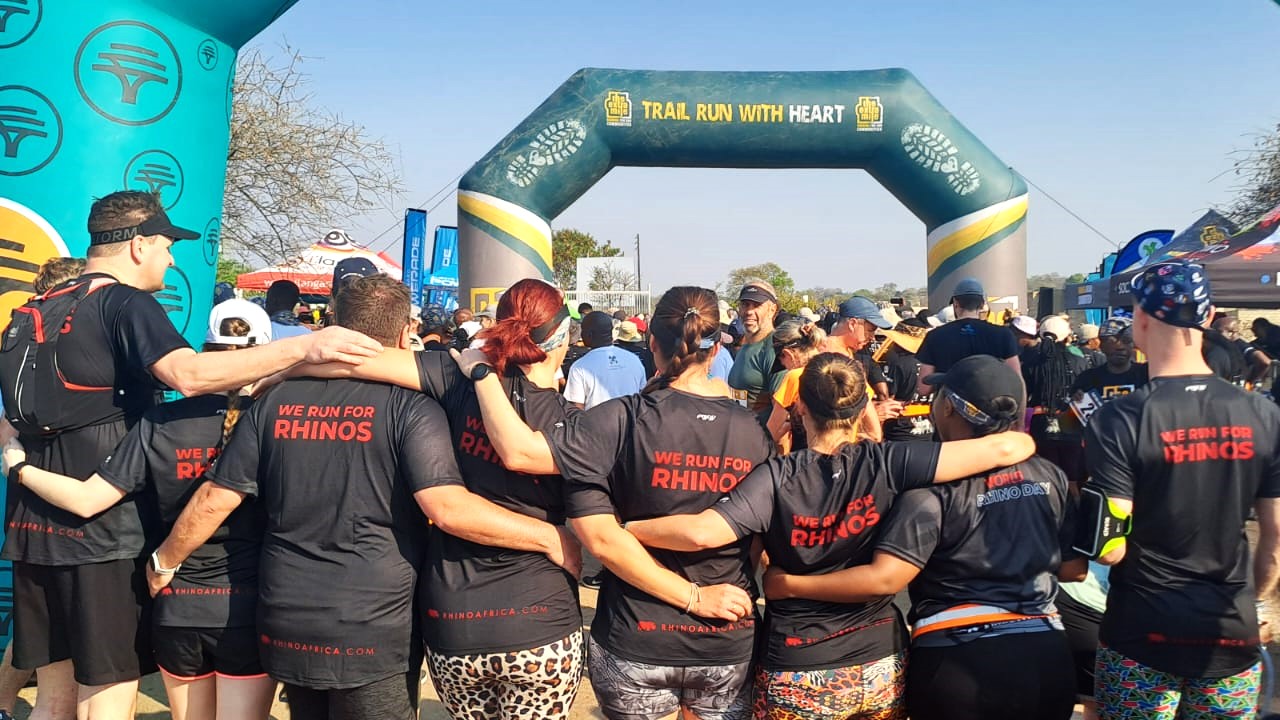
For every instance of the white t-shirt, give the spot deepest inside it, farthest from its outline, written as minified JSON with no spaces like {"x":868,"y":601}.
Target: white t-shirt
{"x":603,"y":374}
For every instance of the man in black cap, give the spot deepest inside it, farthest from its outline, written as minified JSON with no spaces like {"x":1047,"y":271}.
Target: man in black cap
{"x":281,"y":306}
{"x":345,"y":271}
{"x":968,"y":335}
{"x":753,"y":365}
{"x":78,"y":598}
{"x":607,"y":371}
{"x":1181,"y":462}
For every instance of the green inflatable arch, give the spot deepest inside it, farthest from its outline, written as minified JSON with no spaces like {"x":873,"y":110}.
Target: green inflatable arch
{"x":883,"y":121}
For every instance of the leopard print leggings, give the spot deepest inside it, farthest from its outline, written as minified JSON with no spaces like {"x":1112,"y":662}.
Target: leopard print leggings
{"x":525,"y":684}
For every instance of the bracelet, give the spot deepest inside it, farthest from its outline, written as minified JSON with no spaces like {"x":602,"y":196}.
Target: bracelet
{"x":15,"y":472}
{"x":695,"y":597}
{"x":155,"y":564}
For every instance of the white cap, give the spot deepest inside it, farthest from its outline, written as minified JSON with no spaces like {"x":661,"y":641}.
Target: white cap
{"x":415,"y":312}
{"x":808,"y":314}
{"x":470,"y":327}
{"x":259,"y":323}
{"x":1024,"y":324}
{"x":942,"y":317}
{"x":1057,"y":326}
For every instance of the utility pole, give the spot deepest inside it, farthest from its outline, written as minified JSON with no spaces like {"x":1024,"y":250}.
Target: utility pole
{"x":638,"y":285}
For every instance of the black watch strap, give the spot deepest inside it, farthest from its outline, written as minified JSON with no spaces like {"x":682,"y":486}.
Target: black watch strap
{"x":15,"y":472}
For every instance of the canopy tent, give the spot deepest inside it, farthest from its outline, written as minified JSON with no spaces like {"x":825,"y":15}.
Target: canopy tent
{"x":1242,"y":267}
{"x":312,"y":269}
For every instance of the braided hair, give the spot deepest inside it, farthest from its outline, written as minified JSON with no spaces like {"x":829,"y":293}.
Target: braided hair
{"x":1049,"y":375}
{"x":685,"y":328}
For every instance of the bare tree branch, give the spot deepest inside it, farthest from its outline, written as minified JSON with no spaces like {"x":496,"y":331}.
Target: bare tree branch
{"x":1257,"y":172}
{"x":294,"y":170}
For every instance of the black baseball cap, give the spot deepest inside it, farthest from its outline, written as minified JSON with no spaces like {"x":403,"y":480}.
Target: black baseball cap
{"x":975,"y":383}
{"x":158,"y":224}
{"x":351,"y":268}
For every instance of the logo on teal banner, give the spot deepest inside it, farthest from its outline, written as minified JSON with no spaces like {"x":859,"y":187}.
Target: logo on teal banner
{"x":156,"y":171}
{"x":18,"y":19}
{"x":175,"y":298}
{"x":128,"y":72}
{"x":207,"y":54}
{"x":211,"y":238}
{"x":30,"y":130}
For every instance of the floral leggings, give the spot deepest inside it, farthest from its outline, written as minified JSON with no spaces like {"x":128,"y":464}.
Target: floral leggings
{"x":873,"y":691}
{"x":1128,"y":689}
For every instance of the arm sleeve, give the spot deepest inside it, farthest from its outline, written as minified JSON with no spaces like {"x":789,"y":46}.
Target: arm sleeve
{"x":426,"y":446}
{"x":925,"y":354}
{"x":436,"y":379}
{"x":1110,"y":450}
{"x":575,"y":388}
{"x":910,"y":464}
{"x":748,"y":508}
{"x":237,"y":467}
{"x":126,"y":467}
{"x":1271,"y":481}
{"x":914,"y":527}
{"x":143,"y":331}
{"x":1010,"y":344}
{"x":588,"y":444}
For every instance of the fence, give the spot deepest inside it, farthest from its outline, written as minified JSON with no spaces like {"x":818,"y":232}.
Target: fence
{"x":629,"y":301}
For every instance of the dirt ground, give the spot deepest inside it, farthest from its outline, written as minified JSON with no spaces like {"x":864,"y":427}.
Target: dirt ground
{"x":152,"y":705}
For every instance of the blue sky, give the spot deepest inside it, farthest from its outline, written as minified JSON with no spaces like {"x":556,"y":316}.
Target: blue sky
{"x":1124,"y":111}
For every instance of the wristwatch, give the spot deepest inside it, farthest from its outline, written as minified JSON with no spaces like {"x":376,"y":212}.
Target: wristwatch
{"x":481,"y":371}
{"x":15,"y":472}
{"x":155,"y":565}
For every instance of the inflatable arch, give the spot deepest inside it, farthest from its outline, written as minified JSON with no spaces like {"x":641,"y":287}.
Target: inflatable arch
{"x":883,"y":121}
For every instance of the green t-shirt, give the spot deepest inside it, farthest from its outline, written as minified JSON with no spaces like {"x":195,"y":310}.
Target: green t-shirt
{"x":751,"y":369}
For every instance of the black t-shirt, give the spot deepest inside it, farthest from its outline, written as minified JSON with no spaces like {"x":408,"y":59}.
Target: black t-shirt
{"x":903,"y":370}
{"x":994,"y":539}
{"x":116,"y":334}
{"x":660,"y":453}
{"x":819,"y":514}
{"x":947,"y":345}
{"x":166,"y":455}
{"x":482,"y":599}
{"x":875,"y":373}
{"x":1192,"y":453}
{"x":1110,"y":384}
{"x":1223,"y":357}
{"x":334,"y":465}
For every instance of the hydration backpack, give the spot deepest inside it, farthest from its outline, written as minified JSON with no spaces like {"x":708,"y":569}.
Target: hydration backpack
{"x":38,"y":399}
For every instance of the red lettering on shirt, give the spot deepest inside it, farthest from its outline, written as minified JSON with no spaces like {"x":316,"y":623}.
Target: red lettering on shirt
{"x":698,"y":473}
{"x":339,"y":430}
{"x":858,"y":515}
{"x":1201,"y":444}
{"x":314,"y":648}
{"x":1006,"y":478}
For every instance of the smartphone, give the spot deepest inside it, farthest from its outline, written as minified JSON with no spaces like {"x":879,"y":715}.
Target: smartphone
{"x":1096,"y":526}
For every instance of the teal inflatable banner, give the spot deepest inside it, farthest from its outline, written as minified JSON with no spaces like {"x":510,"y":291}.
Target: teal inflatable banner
{"x":104,"y":95}
{"x":883,"y":121}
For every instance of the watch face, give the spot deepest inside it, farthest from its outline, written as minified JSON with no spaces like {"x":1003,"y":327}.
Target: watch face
{"x":480,"y":371}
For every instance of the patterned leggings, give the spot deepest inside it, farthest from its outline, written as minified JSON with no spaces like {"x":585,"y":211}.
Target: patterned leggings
{"x":1127,"y":689}
{"x":873,"y":691}
{"x":537,"y":683}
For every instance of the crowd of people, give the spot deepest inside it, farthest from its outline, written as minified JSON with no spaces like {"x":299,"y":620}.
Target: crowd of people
{"x":947,"y":514}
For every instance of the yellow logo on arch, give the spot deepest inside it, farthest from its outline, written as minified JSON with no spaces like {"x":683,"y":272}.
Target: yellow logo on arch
{"x":27,"y":241}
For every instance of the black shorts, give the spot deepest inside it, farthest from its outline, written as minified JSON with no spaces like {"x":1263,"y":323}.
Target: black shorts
{"x":1082,"y":623}
{"x":89,"y":614}
{"x":393,"y":698}
{"x":196,"y":653}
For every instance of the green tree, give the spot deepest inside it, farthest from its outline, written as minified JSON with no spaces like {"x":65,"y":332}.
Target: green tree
{"x":567,"y":245}
{"x":229,"y":269}
{"x":788,"y":299}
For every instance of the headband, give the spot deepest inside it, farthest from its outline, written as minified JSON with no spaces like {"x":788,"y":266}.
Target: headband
{"x":155,"y":225}
{"x":819,"y":408}
{"x":541,"y":333}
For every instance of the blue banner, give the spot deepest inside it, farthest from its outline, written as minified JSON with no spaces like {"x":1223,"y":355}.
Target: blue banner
{"x":444,"y":261}
{"x":415,"y":253}
{"x":1141,"y":249}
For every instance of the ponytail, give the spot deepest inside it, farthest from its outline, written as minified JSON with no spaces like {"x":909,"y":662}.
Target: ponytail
{"x":532,"y":320}
{"x":685,"y":327}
